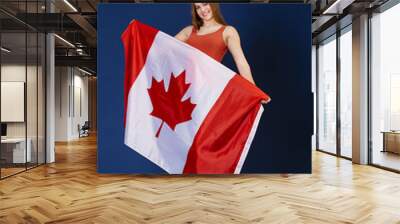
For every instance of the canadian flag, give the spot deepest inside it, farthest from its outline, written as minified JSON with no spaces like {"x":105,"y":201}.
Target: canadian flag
{"x":184,"y":111}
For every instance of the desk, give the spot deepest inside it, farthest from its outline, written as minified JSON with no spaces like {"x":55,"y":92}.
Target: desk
{"x":391,"y":141}
{"x":15,"y":148}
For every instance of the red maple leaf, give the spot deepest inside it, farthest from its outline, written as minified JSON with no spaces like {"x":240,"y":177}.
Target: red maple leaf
{"x":168,"y":105}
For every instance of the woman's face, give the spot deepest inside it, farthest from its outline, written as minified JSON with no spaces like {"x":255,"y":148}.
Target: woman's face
{"x":204,"y":11}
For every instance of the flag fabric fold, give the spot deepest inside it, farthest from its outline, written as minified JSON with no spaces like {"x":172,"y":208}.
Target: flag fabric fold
{"x":184,"y":111}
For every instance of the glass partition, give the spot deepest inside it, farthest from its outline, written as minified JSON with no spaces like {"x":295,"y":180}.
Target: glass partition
{"x":22,"y":78}
{"x":13,"y":103}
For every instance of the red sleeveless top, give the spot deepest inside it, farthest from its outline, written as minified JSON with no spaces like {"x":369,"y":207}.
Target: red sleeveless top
{"x":212,"y":43}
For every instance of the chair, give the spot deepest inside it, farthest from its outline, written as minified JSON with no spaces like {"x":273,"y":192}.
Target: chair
{"x":84,"y":130}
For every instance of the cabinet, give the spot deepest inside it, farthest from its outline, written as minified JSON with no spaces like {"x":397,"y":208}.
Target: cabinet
{"x":391,"y":142}
{"x":13,"y":150}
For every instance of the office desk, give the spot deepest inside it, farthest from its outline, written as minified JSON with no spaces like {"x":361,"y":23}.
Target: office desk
{"x":391,"y":141}
{"x":13,"y":150}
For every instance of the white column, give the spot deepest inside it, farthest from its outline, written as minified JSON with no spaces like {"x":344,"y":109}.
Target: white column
{"x":360,"y":90}
{"x":50,"y":93}
{"x":50,"y":100}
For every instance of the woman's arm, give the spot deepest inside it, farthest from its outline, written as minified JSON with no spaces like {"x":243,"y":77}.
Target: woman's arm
{"x":232,"y":40}
{"x":184,"y":34}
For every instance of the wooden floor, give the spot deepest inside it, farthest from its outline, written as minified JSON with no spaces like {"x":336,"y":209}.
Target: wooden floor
{"x":387,"y":159}
{"x":70,"y":191}
{"x":5,"y":172}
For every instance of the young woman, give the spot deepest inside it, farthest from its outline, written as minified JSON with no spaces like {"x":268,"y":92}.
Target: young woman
{"x":210,"y":34}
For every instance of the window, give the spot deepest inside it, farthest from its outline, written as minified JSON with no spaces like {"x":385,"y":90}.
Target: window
{"x":385,"y":88}
{"x":327,"y":96}
{"x":346,"y":75}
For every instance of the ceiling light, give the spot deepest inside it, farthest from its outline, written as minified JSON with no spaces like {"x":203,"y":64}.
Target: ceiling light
{"x":79,"y":51}
{"x":326,"y":11}
{"x":5,"y":50}
{"x":84,"y":71}
{"x":70,"y":5}
{"x":337,"y":7}
{"x":65,"y":41}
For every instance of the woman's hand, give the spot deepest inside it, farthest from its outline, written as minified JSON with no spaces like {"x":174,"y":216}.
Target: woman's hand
{"x":266,"y":101}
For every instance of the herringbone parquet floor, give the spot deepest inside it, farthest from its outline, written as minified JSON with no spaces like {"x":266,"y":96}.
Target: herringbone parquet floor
{"x":70,"y":191}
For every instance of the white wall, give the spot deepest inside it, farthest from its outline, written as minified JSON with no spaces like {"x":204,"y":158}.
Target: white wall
{"x":10,"y":73}
{"x":71,"y":102}
{"x":16,"y":72}
{"x":61,"y":103}
{"x":79,"y":110}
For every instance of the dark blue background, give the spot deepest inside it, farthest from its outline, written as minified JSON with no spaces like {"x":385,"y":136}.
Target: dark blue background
{"x":276,"y":39}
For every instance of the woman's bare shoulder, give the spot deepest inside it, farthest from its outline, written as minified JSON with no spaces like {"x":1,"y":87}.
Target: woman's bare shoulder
{"x":187,"y":30}
{"x":230,"y":30}
{"x":184,"y":34}
{"x":230,"y":33}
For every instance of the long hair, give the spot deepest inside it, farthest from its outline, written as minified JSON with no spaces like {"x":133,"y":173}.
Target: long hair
{"x":197,"y":22}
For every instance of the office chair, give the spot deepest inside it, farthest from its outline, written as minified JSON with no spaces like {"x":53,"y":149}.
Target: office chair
{"x":84,"y":130}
